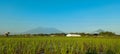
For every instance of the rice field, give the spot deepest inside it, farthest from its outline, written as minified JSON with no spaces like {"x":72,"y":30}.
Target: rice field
{"x":59,"y":45}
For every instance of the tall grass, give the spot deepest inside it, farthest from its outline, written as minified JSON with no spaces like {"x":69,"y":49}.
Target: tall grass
{"x":59,"y":45}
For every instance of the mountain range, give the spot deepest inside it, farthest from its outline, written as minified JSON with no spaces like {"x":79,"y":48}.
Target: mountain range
{"x":43,"y":30}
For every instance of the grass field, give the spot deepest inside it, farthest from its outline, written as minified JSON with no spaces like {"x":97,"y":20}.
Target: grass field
{"x":59,"y":45}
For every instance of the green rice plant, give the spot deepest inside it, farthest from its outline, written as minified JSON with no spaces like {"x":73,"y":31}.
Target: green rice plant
{"x":59,"y":45}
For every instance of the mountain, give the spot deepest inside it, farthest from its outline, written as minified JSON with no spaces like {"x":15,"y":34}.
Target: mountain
{"x":43,"y":30}
{"x":99,"y":30}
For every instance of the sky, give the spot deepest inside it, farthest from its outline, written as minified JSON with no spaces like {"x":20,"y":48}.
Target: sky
{"x":65,"y":15}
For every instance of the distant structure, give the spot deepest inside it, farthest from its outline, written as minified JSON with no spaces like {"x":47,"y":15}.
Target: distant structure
{"x":73,"y":35}
{"x":7,"y":34}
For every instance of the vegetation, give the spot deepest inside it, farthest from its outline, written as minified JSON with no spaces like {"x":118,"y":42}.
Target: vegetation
{"x":106,"y":33}
{"x":59,"y":45}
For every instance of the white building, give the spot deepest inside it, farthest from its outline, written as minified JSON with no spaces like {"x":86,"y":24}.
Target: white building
{"x":73,"y":35}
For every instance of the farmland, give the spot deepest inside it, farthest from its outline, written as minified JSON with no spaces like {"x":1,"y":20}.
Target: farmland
{"x":59,"y":45}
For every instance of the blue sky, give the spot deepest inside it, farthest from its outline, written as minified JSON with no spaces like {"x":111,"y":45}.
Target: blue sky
{"x":66,"y":15}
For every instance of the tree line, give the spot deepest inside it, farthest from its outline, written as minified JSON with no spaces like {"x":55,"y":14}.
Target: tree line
{"x":107,"y":33}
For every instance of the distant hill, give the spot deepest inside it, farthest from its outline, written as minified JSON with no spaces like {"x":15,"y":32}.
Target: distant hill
{"x":43,"y":31}
{"x":98,"y":31}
